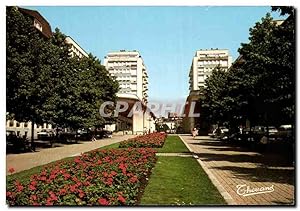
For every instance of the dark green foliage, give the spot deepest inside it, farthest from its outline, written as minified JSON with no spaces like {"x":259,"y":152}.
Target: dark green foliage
{"x":260,"y":86}
{"x":44,"y":83}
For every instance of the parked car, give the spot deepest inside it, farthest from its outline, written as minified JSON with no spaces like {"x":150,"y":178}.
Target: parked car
{"x":45,"y":135}
{"x":16,"y":143}
{"x":221,"y":133}
{"x":68,"y":136}
{"x":103,"y":134}
{"x":285,"y":132}
{"x":106,"y":134}
{"x":84,"y":134}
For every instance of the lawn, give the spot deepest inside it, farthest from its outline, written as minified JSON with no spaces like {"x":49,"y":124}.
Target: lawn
{"x":173,"y":144}
{"x":180,"y":181}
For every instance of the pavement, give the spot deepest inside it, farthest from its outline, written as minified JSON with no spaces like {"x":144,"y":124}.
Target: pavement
{"x":244,"y":177}
{"x":24,"y":161}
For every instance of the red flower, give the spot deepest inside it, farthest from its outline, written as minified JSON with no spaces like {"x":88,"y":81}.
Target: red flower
{"x":62,"y":191}
{"x":133,"y":179}
{"x":49,"y":202}
{"x":33,"y":197}
{"x":11,"y":170}
{"x":44,"y":173}
{"x":73,"y":188}
{"x":121,"y":199}
{"x":53,"y":196}
{"x":81,"y":194}
{"x":8,"y":194}
{"x":103,"y":201}
{"x":31,"y":187}
{"x":19,"y":186}
{"x":67,"y":176}
{"x":43,"y":178}
{"x":109,"y":181}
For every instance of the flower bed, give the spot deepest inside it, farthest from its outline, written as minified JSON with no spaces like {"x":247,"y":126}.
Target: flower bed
{"x":99,"y":177}
{"x":153,"y":140}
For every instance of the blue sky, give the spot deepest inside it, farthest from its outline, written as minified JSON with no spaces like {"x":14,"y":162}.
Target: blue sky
{"x":166,"y":37}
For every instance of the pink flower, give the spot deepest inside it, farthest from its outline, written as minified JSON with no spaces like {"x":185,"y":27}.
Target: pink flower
{"x":103,"y":201}
{"x":81,"y":194}
{"x":33,"y":197}
{"x":62,"y":191}
{"x":121,"y":199}
{"x":11,"y":170}
{"x":31,"y":187}
{"x":8,"y":194}
{"x":133,"y":179}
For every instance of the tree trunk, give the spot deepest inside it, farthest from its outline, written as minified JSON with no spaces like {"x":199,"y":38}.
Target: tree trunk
{"x":32,"y":135}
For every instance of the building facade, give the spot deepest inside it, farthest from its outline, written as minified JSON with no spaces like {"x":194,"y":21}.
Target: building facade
{"x":38,"y":21}
{"x":128,"y":68}
{"x":130,"y":71}
{"x":75,"y":49}
{"x":204,"y":62}
{"x":202,"y":66}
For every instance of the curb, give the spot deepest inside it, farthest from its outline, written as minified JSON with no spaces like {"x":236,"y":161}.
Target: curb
{"x":227,"y":197}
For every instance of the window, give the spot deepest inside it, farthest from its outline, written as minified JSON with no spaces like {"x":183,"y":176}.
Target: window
{"x":18,"y":133}
{"x":11,"y":123}
{"x":37,"y":25}
{"x":25,"y":124}
{"x":18,"y":124}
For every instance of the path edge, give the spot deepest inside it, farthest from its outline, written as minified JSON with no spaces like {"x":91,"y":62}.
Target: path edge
{"x":227,"y":197}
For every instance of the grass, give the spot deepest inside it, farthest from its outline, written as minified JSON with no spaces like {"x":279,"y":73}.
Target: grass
{"x":173,"y":144}
{"x":111,"y":146}
{"x":180,"y":181}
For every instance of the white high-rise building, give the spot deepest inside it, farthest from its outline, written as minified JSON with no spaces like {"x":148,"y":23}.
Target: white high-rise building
{"x":204,"y":62}
{"x":130,"y":71}
{"x":75,"y":49}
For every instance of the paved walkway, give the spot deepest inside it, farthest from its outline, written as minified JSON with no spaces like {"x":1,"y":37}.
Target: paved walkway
{"x":230,"y":166}
{"x":171,"y":154}
{"x":29,"y":160}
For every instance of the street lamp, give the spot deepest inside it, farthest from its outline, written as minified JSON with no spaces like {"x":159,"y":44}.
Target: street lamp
{"x":149,"y":119}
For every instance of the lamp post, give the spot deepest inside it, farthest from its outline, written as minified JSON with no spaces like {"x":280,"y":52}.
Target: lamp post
{"x":149,"y":119}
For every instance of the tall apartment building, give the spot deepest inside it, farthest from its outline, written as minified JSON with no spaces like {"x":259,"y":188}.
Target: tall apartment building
{"x":75,"y":49}
{"x":130,"y":71}
{"x":204,"y":62}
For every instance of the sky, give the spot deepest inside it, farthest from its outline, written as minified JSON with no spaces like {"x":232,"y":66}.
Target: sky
{"x":166,"y":37}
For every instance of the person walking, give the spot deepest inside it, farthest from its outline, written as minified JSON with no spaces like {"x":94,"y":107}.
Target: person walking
{"x":194,"y":133}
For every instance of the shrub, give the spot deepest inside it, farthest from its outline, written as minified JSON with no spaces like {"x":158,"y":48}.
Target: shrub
{"x":99,"y":177}
{"x":153,"y":140}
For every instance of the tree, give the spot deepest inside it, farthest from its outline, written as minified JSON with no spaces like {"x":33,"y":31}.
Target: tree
{"x":46,"y":84}
{"x":31,"y":59}
{"x":260,"y":86}
{"x":81,"y":88}
{"x":269,"y":61}
{"x":215,"y":96}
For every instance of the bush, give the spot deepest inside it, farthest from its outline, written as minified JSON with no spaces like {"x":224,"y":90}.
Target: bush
{"x":99,"y":177}
{"x":153,"y":140}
